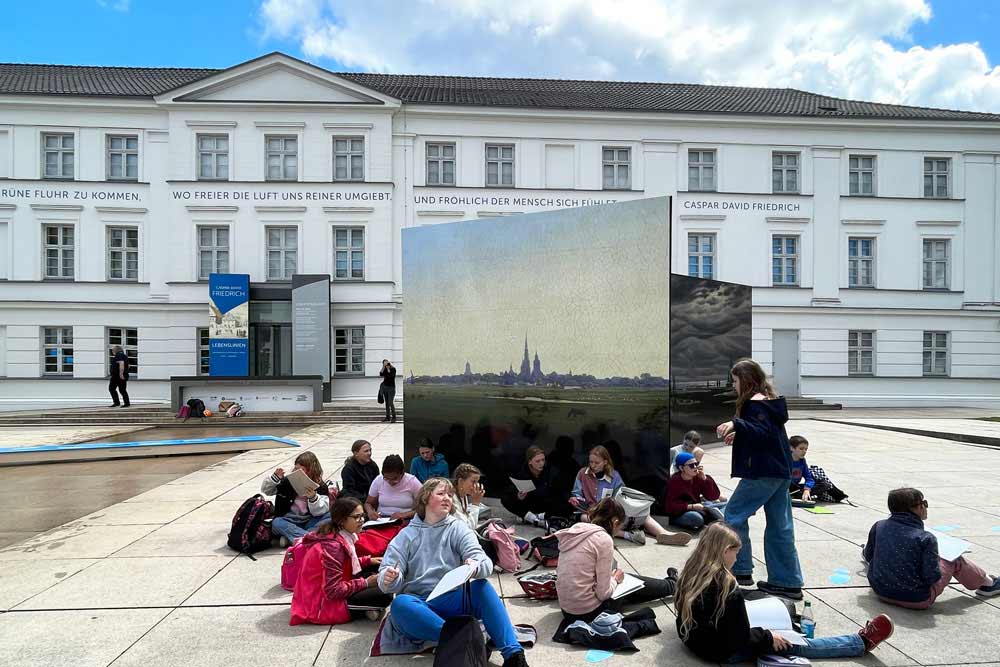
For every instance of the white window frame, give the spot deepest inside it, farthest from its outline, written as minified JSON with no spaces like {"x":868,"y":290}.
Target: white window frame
{"x":616,"y":164}
{"x":696,"y":160}
{"x":859,"y":259}
{"x":856,"y":349}
{"x":860,"y":170}
{"x":350,"y":250}
{"x":932,"y":262}
{"x":440,"y":160}
{"x":215,"y":152}
{"x":202,"y":343}
{"x":349,"y":346}
{"x":284,"y":249}
{"x":283,"y":153}
{"x":60,"y":248}
{"x":124,"y":250}
{"x":700,"y":254}
{"x":349,"y":154}
{"x":935,"y":175}
{"x":942,"y":369}
{"x":780,"y":166}
{"x":500,"y":162}
{"x":124,"y":152}
{"x":213,"y":249}
{"x":783,"y":257}
{"x":60,"y":346}
{"x":131,"y":350}
{"x":60,"y":151}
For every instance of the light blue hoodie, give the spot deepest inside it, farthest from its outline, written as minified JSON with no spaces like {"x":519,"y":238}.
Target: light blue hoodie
{"x":424,"y":553}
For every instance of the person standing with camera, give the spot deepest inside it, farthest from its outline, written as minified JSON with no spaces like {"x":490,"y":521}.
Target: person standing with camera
{"x":388,"y":390}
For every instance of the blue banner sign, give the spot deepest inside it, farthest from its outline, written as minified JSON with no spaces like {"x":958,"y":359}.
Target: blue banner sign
{"x":229,"y":324}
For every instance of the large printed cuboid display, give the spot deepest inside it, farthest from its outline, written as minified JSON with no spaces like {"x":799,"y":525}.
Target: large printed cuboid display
{"x":553,"y":330}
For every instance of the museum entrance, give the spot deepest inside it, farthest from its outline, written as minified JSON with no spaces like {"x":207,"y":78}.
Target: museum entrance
{"x":270,"y":338}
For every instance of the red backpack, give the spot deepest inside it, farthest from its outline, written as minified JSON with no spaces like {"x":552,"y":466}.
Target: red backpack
{"x":545,"y":550}
{"x":290,"y":566}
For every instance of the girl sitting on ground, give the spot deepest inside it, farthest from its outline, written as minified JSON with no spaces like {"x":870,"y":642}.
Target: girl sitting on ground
{"x":296,"y":515}
{"x":712,"y":617}
{"x":434,"y":543}
{"x":332,"y":576}
{"x":600,"y":480}
{"x":359,"y":471}
{"x":393,"y":492}
{"x":533,"y":507}
{"x":468,"y":494}
{"x":692,"y":495}
{"x":586,"y":576}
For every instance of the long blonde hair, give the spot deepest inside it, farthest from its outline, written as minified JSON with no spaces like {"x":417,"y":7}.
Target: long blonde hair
{"x":705,"y":567}
{"x":753,"y":380}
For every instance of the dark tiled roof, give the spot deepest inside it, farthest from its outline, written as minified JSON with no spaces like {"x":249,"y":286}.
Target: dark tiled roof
{"x":20,"y":79}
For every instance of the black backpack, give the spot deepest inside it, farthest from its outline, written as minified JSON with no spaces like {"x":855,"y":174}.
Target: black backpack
{"x":545,"y":550}
{"x":250,"y":532}
{"x":462,"y":643}
{"x":197,"y":408}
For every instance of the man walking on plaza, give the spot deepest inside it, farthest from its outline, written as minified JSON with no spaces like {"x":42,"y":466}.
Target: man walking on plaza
{"x":119,"y":378}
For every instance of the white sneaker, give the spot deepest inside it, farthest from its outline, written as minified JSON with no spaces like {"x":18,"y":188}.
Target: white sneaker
{"x":283,"y":542}
{"x":638,"y":536}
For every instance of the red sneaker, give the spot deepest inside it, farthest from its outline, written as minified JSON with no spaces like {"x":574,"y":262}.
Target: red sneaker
{"x":876,"y":631}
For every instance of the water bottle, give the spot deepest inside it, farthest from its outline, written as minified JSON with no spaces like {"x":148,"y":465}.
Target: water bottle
{"x":808,"y":622}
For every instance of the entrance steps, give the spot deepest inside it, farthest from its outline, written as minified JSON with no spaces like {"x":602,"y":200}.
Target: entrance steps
{"x":805,"y":403}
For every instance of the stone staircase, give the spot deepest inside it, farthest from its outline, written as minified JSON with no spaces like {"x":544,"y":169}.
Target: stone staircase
{"x":804,"y":403}
{"x":161,"y":415}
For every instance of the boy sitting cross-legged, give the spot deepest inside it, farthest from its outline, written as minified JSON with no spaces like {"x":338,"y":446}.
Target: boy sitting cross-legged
{"x":904,"y":567}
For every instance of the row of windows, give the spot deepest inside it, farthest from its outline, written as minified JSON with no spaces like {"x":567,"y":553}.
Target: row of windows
{"x":57,"y":349}
{"x":281,"y":252}
{"x":861,"y":353}
{"x":282,"y":160}
{"x":348,"y":351}
{"x":785,"y":253}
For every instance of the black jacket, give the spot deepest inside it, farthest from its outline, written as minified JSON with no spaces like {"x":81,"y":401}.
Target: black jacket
{"x":731,"y":635}
{"x":357,"y":478}
{"x":761,"y":445}
{"x":388,"y":376}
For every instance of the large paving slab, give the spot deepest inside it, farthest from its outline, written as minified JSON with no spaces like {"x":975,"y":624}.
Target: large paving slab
{"x":76,"y":542}
{"x":77,"y":638}
{"x":19,"y":580}
{"x":243,"y":582}
{"x":178,"y":539}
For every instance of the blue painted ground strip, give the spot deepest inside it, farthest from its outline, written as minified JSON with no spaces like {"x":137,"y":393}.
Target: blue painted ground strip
{"x":143,"y":443}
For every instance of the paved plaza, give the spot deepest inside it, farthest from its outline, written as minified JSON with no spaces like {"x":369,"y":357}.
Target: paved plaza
{"x":149,"y":581}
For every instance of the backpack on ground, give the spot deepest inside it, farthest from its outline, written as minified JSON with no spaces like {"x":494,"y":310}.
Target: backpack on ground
{"x":184,"y":413}
{"x":196,"y":407}
{"x":292,"y":563}
{"x":545,"y":550}
{"x":234,"y":410}
{"x":508,"y":556}
{"x":250,"y":531}
{"x":539,"y":585}
{"x":462,"y":642}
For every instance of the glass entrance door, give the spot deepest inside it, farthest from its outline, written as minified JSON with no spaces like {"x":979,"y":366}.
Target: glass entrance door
{"x":271,"y":349}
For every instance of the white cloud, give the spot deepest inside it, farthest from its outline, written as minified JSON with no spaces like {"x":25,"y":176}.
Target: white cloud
{"x":840,"y":47}
{"x":117,"y":5}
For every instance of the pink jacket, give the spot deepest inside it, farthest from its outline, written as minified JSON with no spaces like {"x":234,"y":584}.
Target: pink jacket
{"x":586,"y":554}
{"x":325,"y":582}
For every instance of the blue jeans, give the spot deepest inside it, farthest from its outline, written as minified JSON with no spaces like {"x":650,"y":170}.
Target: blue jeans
{"x":844,"y":646}
{"x":291,"y":530}
{"x":422,"y":620}
{"x":779,"y":531}
{"x":695,"y":520}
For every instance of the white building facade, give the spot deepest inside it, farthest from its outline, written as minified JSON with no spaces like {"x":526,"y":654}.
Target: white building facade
{"x":870,"y":233}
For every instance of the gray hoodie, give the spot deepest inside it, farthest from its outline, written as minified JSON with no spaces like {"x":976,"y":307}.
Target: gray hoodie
{"x":424,"y":553}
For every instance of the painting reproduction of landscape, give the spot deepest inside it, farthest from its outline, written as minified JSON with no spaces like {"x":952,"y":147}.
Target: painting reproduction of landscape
{"x":547,"y":329}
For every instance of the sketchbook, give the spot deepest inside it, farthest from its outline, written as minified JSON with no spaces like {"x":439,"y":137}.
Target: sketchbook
{"x":523,"y":485}
{"x":452,"y":580}
{"x":949,"y":547}
{"x":301,"y":483}
{"x":381,"y":521}
{"x":628,"y":585}
{"x":771,"y":614}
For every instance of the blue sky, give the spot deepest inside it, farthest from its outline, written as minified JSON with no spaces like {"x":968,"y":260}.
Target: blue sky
{"x":903,"y":51}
